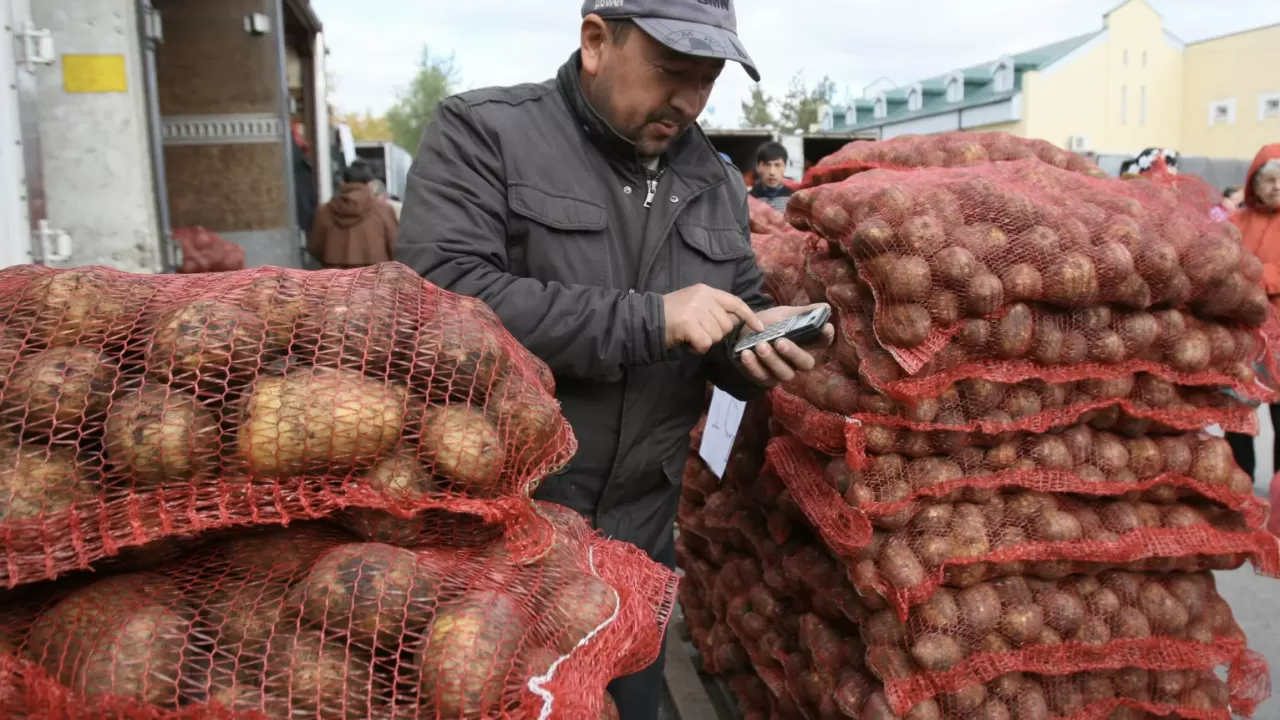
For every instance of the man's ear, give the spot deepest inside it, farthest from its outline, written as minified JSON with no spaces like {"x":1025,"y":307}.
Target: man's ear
{"x":595,"y":35}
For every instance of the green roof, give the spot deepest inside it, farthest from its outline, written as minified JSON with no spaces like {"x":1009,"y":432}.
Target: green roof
{"x":979,"y":85}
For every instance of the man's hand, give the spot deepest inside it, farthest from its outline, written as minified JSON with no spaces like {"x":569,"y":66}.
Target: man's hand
{"x":772,"y":363}
{"x":701,"y":316}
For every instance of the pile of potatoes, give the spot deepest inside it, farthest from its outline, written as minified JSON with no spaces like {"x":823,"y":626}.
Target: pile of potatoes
{"x":115,"y":383}
{"x":939,"y":247}
{"x":305,"y":622}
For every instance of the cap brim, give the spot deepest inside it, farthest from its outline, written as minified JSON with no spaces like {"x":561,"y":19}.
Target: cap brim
{"x":699,"y":40}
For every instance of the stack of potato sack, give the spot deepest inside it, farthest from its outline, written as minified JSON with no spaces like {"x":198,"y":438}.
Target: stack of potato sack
{"x":780,"y":252}
{"x":144,"y":416}
{"x":1027,"y":359}
{"x":943,"y":150}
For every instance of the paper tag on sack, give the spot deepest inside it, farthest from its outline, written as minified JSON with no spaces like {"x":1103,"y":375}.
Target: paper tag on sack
{"x":723,"y":420}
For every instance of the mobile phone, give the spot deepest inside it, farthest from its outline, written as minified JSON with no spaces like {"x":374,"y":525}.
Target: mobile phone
{"x":801,"y":329}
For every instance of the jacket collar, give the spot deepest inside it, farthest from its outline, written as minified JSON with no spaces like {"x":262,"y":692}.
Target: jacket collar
{"x":690,"y":155}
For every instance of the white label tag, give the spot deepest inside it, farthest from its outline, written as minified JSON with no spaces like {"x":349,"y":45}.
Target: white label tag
{"x":723,"y":420}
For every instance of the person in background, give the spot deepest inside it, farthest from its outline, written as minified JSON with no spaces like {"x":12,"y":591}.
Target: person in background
{"x":1232,"y":199}
{"x":1259,"y":223}
{"x":771,"y":168}
{"x":1146,"y":161}
{"x":354,"y":229}
{"x":306,"y":196}
{"x":380,"y":192}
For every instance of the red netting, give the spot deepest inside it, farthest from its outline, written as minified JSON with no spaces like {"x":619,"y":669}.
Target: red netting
{"x":307,"y":623}
{"x":943,"y":150}
{"x":764,"y":219}
{"x":139,"y":407}
{"x":943,"y":245}
{"x":1028,"y":341}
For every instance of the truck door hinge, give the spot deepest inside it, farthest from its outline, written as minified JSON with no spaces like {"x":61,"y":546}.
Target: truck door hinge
{"x":152,"y":25}
{"x":54,"y":244}
{"x":37,"y":47}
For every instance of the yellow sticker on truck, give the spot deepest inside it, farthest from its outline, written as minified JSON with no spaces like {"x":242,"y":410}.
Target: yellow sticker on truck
{"x":94,"y":74}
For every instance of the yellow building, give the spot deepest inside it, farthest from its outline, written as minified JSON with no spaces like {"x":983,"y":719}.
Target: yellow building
{"x":1129,"y":86}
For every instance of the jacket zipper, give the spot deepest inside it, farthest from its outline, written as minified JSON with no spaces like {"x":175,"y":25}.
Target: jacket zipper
{"x":651,"y":181}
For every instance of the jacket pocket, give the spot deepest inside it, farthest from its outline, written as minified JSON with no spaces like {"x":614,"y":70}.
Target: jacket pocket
{"x":710,"y":256}
{"x":556,"y":238}
{"x":673,"y":467}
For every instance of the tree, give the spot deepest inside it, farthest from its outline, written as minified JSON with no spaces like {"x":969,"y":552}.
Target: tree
{"x":757,"y":112}
{"x":801,"y":105}
{"x":368,"y":126}
{"x":408,"y":118}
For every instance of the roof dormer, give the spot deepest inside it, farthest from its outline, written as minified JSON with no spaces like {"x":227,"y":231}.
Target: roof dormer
{"x":955,"y":86}
{"x":915,"y":97}
{"x":1002,"y":75}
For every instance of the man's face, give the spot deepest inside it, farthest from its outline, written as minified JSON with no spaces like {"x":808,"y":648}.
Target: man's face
{"x":771,"y":172}
{"x":1267,"y":185}
{"x":647,"y":92}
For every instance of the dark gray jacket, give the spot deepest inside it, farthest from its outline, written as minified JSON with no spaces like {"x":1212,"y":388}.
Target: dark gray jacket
{"x":525,"y":198}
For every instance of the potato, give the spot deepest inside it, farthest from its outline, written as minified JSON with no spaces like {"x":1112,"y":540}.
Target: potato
{"x":461,"y":446}
{"x":160,"y":435}
{"x":1166,"y":615}
{"x":936,"y":550}
{"x":242,"y":617}
{"x":1211,"y":259}
{"x":320,"y":678}
{"x":900,"y":566}
{"x":1111,"y":389}
{"x":1157,"y":392}
{"x":923,"y":235}
{"x":980,"y":609}
{"x":871,"y":237}
{"x":984,"y":295}
{"x":280,"y":301}
{"x":1031,"y":704}
{"x":317,"y":419}
{"x":1015,"y":332}
{"x":528,"y":417}
{"x":1179,"y":517}
{"x":1253,"y":307}
{"x":40,"y":482}
{"x":464,"y":360}
{"x":880,"y":438}
{"x":1075,"y":349}
{"x":280,"y":553}
{"x":1056,"y":526}
{"x":86,"y":307}
{"x":59,"y":390}
{"x":1191,"y":353}
{"x":890,"y":663}
{"x":936,"y":652}
{"x":207,"y":342}
{"x":1145,"y":459}
{"x":1051,"y":453}
{"x":1063,"y":611}
{"x":585,"y":604}
{"x":1113,"y":261}
{"x":1094,"y":630}
{"x":1213,"y":462}
{"x":884,"y":628}
{"x":940,"y":612}
{"x":906,"y":279}
{"x":944,"y":308}
{"x":464,"y":659}
{"x":982,"y":394}
{"x":1130,"y":623}
{"x":955,"y":266}
{"x":994,"y":709}
{"x":1072,"y":281}
{"x":903,"y":325}
{"x":1022,"y":624}
{"x":975,"y":334}
{"x":122,"y":636}
{"x":371,"y":593}
{"x":1108,"y":347}
{"x":1022,"y":282}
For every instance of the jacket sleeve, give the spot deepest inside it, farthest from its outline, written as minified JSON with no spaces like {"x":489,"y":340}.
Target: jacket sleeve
{"x":453,"y":233}
{"x":726,"y":373}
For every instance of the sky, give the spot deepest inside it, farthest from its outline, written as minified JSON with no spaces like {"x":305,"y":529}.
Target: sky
{"x":375,"y":44}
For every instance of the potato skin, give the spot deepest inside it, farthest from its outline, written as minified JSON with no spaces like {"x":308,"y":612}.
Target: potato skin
{"x":318,"y":678}
{"x":159,"y":435}
{"x":317,"y":419}
{"x":461,"y":446}
{"x":205,"y":341}
{"x":904,"y":325}
{"x":39,"y":481}
{"x":465,"y":655}
{"x":579,"y":607}
{"x":84,"y":306}
{"x":59,"y":389}
{"x":373,"y":593}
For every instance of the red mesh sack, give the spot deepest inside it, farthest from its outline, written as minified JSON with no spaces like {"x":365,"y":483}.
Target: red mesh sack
{"x":312,"y":624}
{"x":999,"y":235}
{"x":206,"y":251}
{"x":1013,"y":532}
{"x":1030,"y":341}
{"x":949,"y":150}
{"x":138,"y":407}
{"x":861,"y":434}
{"x":764,"y":218}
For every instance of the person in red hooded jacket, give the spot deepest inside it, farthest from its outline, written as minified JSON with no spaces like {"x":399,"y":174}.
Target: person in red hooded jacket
{"x":1259,"y":223}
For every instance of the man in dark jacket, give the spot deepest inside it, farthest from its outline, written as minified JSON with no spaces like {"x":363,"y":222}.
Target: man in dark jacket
{"x":355,"y":228}
{"x":771,"y":168}
{"x":592,"y":214}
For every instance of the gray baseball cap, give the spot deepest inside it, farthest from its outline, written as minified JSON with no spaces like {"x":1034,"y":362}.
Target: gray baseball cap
{"x":702,"y":28}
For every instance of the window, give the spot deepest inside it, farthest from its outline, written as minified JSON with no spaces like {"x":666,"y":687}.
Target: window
{"x":1142,"y":106}
{"x":1125,"y":57}
{"x":1124,"y":104}
{"x":1268,"y":106}
{"x":1004,"y":76}
{"x":955,"y":89}
{"x":882,"y":108}
{"x":1144,"y":58}
{"x":915,"y":99}
{"x":1222,"y":112}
